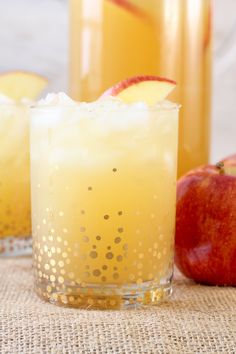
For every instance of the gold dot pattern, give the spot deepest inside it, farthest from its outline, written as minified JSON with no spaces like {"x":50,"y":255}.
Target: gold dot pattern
{"x":85,"y":239}
{"x":68,"y":266}
{"x":93,"y":254}
{"x":96,"y":272}
{"x":109,"y":255}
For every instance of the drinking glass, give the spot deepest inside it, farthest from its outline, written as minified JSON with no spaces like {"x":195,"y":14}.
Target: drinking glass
{"x":103,"y":185}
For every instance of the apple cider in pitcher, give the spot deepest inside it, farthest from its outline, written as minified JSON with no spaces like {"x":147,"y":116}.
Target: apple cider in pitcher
{"x":112,"y":40}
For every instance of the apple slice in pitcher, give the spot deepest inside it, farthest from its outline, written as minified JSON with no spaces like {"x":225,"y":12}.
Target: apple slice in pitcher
{"x":128,"y":6}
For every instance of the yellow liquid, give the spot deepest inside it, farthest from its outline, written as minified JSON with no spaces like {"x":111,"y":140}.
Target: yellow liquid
{"x":170,"y":38}
{"x":103,"y":199}
{"x":14,"y":172}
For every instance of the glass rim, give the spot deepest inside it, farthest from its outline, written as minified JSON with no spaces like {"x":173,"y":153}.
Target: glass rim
{"x":156,"y":108}
{"x":15,"y":104}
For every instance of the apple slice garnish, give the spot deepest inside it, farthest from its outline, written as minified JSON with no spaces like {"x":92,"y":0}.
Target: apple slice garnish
{"x":20,"y":84}
{"x":148,"y":89}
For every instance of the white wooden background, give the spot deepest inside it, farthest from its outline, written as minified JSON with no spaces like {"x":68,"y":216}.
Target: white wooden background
{"x":34,"y":36}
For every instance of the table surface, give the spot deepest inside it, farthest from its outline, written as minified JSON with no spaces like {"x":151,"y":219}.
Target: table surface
{"x":197,"y":319}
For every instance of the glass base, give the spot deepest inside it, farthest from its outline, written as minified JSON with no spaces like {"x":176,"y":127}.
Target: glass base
{"x":107,"y":298}
{"x":15,"y":246}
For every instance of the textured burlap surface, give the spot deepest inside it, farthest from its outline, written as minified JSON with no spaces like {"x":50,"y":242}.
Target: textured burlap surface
{"x":198,"y":319}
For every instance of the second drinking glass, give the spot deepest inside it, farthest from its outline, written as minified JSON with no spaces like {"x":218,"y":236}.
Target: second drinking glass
{"x":15,"y":221}
{"x":18,"y":89}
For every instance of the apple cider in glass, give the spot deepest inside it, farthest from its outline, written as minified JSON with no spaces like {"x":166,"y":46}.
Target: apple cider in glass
{"x":17,"y":89}
{"x":103,"y":201}
{"x":15,"y":224}
{"x":115,"y":39}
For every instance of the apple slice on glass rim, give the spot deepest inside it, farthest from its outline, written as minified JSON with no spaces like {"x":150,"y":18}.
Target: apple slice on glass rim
{"x":147,"y":88}
{"x":18,"y":85}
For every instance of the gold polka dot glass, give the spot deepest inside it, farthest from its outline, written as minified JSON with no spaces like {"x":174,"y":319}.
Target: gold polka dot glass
{"x":103,"y":203}
{"x":15,"y":222}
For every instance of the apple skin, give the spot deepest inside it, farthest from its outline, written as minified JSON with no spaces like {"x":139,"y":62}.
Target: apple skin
{"x":205,"y":242}
{"x":122,"y":85}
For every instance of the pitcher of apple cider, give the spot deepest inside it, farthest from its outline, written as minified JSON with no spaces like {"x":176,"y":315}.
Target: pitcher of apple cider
{"x":111,"y":40}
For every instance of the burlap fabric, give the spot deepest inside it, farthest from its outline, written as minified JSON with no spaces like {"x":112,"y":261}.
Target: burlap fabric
{"x":198,"y":319}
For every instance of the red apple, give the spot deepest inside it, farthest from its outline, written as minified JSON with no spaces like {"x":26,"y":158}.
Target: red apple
{"x":205,"y":243}
{"x":146,"y":88}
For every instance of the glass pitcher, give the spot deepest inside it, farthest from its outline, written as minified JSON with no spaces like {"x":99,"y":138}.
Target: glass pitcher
{"x":114,"y":39}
